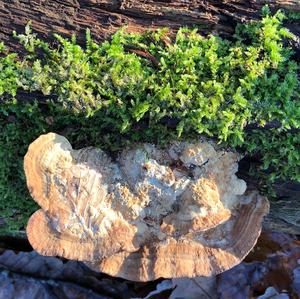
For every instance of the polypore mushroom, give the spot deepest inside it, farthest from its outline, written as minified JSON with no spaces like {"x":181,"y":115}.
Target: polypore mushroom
{"x":150,"y":213}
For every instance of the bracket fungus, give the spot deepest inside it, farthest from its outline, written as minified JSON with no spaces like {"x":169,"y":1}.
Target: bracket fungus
{"x":149,"y":213}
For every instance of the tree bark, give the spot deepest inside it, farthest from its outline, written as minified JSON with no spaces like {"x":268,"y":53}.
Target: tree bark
{"x":284,"y":215}
{"x":104,"y":17}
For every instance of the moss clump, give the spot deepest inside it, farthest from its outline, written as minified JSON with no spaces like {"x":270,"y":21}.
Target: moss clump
{"x":147,"y":87}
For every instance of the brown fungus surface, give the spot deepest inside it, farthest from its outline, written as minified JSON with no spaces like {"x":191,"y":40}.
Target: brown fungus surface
{"x":151,"y":213}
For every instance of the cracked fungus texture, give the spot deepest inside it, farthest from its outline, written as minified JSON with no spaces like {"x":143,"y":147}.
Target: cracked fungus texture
{"x":150,"y":213}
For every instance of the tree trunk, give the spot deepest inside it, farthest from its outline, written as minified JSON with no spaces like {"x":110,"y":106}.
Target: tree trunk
{"x":104,"y":17}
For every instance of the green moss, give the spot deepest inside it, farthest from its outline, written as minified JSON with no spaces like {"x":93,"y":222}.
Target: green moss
{"x":293,"y":15}
{"x":127,"y":89}
{"x":19,"y":124}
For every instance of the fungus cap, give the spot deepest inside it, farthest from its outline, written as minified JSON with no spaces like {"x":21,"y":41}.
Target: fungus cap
{"x":151,"y":213}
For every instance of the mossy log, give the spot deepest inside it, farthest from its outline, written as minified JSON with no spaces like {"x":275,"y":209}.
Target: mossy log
{"x":104,"y":17}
